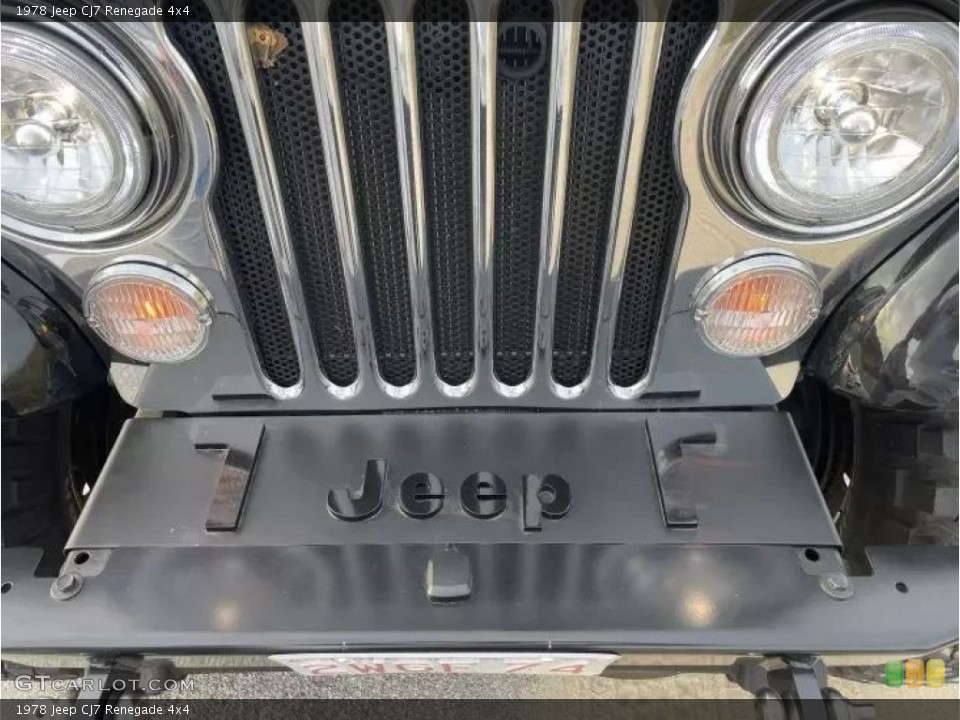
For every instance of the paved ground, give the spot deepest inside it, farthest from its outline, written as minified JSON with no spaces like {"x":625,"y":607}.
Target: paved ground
{"x":288,"y":685}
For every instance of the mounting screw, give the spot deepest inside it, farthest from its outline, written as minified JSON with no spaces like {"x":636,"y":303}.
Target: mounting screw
{"x":836,"y":585}
{"x":66,"y":586}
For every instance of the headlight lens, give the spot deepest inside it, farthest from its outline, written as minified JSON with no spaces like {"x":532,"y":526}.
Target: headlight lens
{"x":147,"y":312}
{"x":757,"y":306}
{"x":71,"y":146}
{"x":857,"y":119}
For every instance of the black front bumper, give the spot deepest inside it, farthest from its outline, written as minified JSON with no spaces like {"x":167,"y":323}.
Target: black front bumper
{"x":692,"y":532}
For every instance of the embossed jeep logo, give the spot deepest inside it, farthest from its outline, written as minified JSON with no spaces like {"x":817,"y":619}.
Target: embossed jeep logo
{"x":483,"y":495}
{"x":521,"y":48}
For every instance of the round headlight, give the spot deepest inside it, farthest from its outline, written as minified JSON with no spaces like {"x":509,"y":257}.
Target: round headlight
{"x":757,"y":306}
{"x":72,"y":149}
{"x":853,"y":122}
{"x":148,"y":313}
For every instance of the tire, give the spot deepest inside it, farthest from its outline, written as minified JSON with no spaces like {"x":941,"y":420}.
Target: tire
{"x":823,"y":421}
{"x":905,"y":480}
{"x":35,"y":486}
{"x":50,"y":462}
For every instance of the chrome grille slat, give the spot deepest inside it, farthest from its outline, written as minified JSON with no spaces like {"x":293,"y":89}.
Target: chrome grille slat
{"x":563,"y":69}
{"x":645,"y":53}
{"x":519,"y":157}
{"x":603,"y":65}
{"x":233,"y":41}
{"x":443,"y":91}
{"x":483,"y":72}
{"x":658,"y":223}
{"x":319,"y":49}
{"x":403,"y":77}
{"x":255,"y":252}
{"x":289,"y":106}
{"x":361,"y":44}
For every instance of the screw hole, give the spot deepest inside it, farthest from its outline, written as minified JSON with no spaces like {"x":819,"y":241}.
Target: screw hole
{"x":811,"y":555}
{"x":6,"y":587}
{"x":902,"y":587}
{"x":81,"y":557}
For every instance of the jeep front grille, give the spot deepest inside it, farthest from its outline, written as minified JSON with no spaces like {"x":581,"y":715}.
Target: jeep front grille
{"x":447,"y":194}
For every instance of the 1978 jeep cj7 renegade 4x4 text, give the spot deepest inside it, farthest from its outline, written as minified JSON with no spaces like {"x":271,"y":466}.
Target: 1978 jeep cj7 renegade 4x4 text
{"x":456,"y":335}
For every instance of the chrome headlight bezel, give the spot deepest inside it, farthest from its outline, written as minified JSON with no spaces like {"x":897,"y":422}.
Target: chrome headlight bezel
{"x":152,"y":188}
{"x":735,"y":99}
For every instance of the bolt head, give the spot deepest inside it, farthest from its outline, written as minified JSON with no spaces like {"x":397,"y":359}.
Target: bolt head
{"x":836,"y":585}
{"x":66,"y":582}
{"x":66,"y":586}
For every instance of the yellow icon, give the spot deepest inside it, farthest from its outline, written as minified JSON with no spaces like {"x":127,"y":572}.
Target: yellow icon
{"x":914,"y":674}
{"x":935,"y":673}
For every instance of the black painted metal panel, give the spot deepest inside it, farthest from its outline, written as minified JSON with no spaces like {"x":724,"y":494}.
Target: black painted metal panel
{"x":526,"y":597}
{"x":752,"y":485}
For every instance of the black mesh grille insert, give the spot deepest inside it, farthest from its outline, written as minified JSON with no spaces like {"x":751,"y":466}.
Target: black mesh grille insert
{"x":236,"y":206}
{"x":522,"y":105}
{"x":659,"y":198}
{"x":443,"y":84}
{"x":363,"y":74}
{"x":603,"y":69}
{"x":287,"y":96}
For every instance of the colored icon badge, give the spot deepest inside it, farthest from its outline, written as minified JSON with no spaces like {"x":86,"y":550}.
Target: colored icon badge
{"x":894,"y":673}
{"x":935,"y":673}
{"x":914,"y":673}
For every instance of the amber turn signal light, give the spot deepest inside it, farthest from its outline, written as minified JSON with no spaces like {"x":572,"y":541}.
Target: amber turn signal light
{"x":757,"y":306}
{"x":147,"y":312}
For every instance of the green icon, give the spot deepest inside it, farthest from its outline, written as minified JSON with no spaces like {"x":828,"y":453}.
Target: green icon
{"x":894,"y":673}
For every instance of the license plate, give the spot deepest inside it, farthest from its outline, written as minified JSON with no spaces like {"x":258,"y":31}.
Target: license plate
{"x":558,"y":664}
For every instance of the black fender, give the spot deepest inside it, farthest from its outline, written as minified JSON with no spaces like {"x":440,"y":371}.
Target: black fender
{"x":892,"y":343}
{"x":47,"y":359}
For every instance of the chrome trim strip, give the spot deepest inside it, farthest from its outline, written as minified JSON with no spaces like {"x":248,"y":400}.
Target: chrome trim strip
{"x":483,"y":83}
{"x":563,"y":71}
{"x":237,"y":58}
{"x":403,"y":80}
{"x":646,"y":52}
{"x":323,"y":76}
